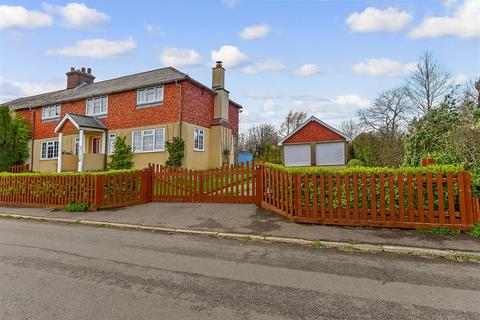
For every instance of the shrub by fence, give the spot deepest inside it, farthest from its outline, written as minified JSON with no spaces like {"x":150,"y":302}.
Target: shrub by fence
{"x":98,"y":190}
{"x":412,"y":198}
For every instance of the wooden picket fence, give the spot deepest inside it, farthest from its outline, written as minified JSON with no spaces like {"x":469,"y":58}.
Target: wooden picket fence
{"x":56,"y":190}
{"x":232,"y":184}
{"x":379,"y":200}
{"x":19,"y":168}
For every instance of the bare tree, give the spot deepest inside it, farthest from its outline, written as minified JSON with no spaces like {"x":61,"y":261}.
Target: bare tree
{"x":259,"y":136}
{"x":351,"y":128}
{"x":389,"y":112}
{"x":292,"y":121}
{"x":429,"y":84}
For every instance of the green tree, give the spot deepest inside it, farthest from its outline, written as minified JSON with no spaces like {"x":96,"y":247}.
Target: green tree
{"x":176,"y":149}
{"x":14,"y":136}
{"x":122,"y":157}
{"x":376,"y":149}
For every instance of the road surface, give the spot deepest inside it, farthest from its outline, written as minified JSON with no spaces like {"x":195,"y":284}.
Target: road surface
{"x":55,"y":271}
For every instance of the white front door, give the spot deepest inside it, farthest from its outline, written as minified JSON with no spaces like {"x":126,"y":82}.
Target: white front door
{"x":297,"y":155}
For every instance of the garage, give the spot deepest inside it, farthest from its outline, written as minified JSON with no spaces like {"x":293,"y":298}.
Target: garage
{"x":314,"y":143}
{"x":297,"y":155}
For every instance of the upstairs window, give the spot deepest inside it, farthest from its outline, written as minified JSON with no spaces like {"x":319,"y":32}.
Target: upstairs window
{"x":49,"y":150}
{"x":51,"y":112}
{"x":151,"y":140}
{"x":97,"y":106}
{"x":198,"y":139}
{"x":151,"y":95}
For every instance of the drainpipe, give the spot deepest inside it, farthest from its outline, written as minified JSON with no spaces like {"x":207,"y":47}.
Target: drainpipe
{"x":32,"y":116}
{"x":179,"y":109}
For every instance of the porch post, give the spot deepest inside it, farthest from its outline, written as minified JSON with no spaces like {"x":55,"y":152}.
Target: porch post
{"x":60,"y":152}
{"x":104,"y":148}
{"x":81,"y":150}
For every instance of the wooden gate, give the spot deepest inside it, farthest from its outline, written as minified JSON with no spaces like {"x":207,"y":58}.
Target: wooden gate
{"x":232,"y":184}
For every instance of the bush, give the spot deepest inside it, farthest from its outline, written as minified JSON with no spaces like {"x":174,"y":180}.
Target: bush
{"x":375,"y":149}
{"x":355,"y":163}
{"x":122,"y":157}
{"x":475,"y":231}
{"x":76,"y":207}
{"x":175,"y":149}
{"x":14,"y":136}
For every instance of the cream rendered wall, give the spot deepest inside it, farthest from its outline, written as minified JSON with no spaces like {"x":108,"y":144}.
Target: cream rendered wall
{"x":197,"y":160}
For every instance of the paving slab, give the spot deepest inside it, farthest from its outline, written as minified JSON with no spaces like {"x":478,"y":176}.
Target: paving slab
{"x":247,"y":218}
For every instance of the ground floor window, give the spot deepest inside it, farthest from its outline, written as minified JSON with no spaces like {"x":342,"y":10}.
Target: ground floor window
{"x":112,"y":139}
{"x":49,"y":150}
{"x":77,"y":144}
{"x":198,"y":139}
{"x":150,"y":140}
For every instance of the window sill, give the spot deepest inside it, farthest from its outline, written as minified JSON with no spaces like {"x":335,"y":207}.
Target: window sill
{"x":51,"y":119}
{"x":99,"y":116}
{"x":153,"y":151}
{"x":48,"y":159}
{"x":149,"y":104}
{"x":198,"y":150}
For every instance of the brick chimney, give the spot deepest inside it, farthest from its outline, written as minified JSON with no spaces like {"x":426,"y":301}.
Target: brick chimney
{"x":221,"y":100}
{"x":78,"y":77}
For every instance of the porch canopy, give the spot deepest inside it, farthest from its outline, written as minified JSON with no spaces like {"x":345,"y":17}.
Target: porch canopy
{"x":82,"y":123}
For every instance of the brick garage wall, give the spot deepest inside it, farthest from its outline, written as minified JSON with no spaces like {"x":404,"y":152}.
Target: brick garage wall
{"x":122,"y":112}
{"x":198,"y":105}
{"x":314,"y":132}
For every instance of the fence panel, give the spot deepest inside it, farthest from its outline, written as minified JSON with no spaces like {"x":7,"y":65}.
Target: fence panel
{"x":19,"y":168}
{"x":378,"y":200}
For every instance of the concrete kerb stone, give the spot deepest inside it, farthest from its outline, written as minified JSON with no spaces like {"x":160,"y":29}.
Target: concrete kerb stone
{"x":344,"y":246}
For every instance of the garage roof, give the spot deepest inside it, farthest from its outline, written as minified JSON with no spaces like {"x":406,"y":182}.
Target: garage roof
{"x":315,"y":119}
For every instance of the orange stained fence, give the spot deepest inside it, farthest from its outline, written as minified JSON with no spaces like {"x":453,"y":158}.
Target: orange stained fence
{"x":400,"y":200}
{"x":19,"y":168}
{"x":232,"y":184}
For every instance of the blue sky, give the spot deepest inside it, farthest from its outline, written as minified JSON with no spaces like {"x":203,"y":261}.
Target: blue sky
{"x":329,"y":58}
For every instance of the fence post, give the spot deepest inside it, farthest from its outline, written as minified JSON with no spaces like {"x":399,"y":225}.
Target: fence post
{"x":99,"y":190}
{"x":259,"y":184}
{"x":468,"y":198}
{"x":146,"y":185}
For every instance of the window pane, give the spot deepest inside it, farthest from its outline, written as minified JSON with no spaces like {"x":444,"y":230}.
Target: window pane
{"x":112,"y":138}
{"x":55,"y":149}
{"x":44,"y":150}
{"x":150,"y":95}
{"x":159,"y":139}
{"x":90,"y":107}
{"x":57,"y":110}
{"x":200,"y":140}
{"x":148,"y":142}
{"x":137,"y":141}
{"x":141,"y":96}
{"x":159,"y":94}
{"x":104,"y":105}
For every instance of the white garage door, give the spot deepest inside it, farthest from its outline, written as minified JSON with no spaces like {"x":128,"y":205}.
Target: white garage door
{"x":331,"y":153}
{"x":297,"y":155}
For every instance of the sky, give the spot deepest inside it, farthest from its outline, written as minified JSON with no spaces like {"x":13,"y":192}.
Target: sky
{"x":329,"y":58}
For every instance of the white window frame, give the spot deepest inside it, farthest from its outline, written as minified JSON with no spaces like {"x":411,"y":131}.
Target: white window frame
{"x":90,"y":104}
{"x":49,"y":144}
{"x":143,"y":134}
{"x":111,"y":145}
{"x":198,"y":132}
{"x":76,"y":146}
{"x":47,"y":110}
{"x":158,"y":92}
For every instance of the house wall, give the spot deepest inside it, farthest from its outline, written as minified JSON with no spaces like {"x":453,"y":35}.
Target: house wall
{"x":314,"y":132}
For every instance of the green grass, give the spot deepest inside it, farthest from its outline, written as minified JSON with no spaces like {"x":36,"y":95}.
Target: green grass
{"x":475,"y":231}
{"x":440,"y":231}
{"x":317,"y":245}
{"x":76,"y":207}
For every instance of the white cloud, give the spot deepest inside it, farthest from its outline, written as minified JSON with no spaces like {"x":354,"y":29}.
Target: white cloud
{"x":307,"y":70}
{"x":19,"y":17}
{"x":334,"y":110}
{"x":255,"y":32}
{"x":155,"y":30}
{"x":266,"y":65}
{"x":464,"y":23}
{"x":268,"y":105}
{"x":383,"y":67}
{"x":231,"y":56}
{"x":460,"y":78}
{"x":377,"y":20}
{"x":96,"y":48}
{"x":179,"y":57}
{"x":230,"y":3}
{"x":11,"y":89}
{"x":78,"y":15}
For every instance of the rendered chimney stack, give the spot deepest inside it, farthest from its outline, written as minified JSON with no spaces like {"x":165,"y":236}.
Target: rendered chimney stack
{"x":78,"y":77}
{"x":218,"y":76}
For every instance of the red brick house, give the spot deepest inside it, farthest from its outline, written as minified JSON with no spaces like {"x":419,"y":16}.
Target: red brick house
{"x":314,"y":143}
{"x":75,"y":129}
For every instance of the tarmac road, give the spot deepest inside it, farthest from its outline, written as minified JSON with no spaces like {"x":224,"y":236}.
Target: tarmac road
{"x":55,"y":271}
